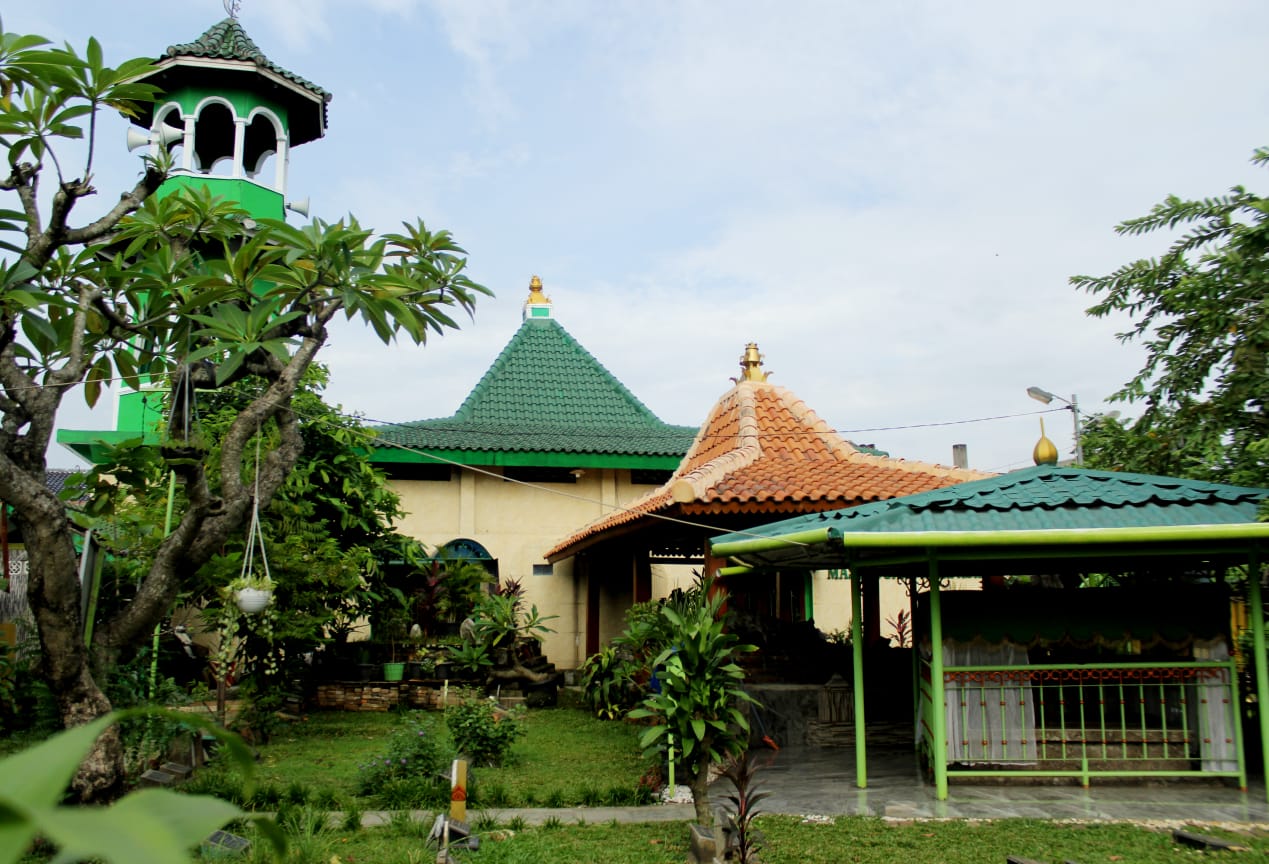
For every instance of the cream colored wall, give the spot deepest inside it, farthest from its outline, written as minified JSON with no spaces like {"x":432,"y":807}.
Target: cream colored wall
{"x":516,"y":523}
{"x":832,"y":601}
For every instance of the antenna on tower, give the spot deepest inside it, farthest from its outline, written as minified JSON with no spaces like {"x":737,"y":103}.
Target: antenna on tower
{"x":232,"y":7}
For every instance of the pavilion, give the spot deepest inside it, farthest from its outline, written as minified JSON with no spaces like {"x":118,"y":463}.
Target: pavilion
{"x":1162,"y":701}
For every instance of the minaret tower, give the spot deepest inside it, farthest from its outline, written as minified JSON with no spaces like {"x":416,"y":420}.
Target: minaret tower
{"x":229,"y":118}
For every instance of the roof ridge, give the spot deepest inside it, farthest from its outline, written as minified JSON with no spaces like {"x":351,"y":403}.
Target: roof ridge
{"x":693,"y":484}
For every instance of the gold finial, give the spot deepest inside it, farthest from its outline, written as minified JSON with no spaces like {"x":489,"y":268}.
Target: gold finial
{"x":536,"y":297}
{"x":751,"y":365}
{"x":1045,"y":452}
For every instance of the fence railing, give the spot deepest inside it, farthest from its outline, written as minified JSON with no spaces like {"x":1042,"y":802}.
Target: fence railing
{"x":1092,"y":720}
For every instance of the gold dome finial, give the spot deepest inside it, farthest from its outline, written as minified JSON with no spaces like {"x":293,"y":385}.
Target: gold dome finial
{"x":536,"y":297}
{"x":751,"y":365}
{"x":1045,"y":452}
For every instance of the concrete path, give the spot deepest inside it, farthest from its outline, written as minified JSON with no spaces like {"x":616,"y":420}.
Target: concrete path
{"x":810,"y":781}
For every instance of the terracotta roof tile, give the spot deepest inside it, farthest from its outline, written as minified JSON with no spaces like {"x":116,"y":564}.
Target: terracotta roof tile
{"x":762,"y":449}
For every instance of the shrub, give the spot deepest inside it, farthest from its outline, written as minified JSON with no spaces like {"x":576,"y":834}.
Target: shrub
{"x":483,"y":730}
{"x":608,"y":684}
{"x":415,"y":752}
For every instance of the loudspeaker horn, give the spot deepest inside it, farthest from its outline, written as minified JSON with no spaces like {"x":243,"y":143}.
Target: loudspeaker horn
{"x":137,"y":138}
{"x":170,"y":134}
{"x":300,"y":206}
{"x":166,"y":135}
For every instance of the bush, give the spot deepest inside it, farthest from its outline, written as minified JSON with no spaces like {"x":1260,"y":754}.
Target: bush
{"x":415,"y":752}
{"x":483,"y":730}
{"x":608,"y":683}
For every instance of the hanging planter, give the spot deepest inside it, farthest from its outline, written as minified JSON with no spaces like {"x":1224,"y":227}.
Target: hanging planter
{"x":253,"y":600}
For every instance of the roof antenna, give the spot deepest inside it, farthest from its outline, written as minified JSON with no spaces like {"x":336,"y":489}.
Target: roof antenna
{"x":232,"y":7}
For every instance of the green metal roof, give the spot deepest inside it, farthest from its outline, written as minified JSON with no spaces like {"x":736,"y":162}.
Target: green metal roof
{"x":1037,"y":512}
{"x":228,"y":41}
{"x":546,"y":394}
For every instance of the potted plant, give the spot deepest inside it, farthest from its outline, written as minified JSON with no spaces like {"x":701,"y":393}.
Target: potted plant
{"x":395,"y":621}
{"x":251,"y":592}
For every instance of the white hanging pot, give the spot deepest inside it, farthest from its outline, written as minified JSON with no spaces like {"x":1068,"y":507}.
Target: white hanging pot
{"x":252,"y":600}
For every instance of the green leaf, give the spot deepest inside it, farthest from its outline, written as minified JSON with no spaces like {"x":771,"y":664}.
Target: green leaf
{"x":152,"y":826}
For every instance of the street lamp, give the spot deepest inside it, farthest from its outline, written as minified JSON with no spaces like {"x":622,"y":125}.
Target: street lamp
{"x":1041,"y":395}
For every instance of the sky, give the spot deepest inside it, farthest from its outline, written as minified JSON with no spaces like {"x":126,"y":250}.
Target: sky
{"x":889,"y":198}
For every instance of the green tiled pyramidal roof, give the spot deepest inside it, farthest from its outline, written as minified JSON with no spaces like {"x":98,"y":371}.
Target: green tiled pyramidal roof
{"x":225,"y":56}
{"x":545,"y":393}
{"x":227,"y":40}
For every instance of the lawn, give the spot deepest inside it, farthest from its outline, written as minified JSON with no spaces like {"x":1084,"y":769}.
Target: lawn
{"x":852,"y":840}
{"x":567,"y":757}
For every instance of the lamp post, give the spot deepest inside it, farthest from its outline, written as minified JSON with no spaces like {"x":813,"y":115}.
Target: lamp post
{"x":1041,"y":395}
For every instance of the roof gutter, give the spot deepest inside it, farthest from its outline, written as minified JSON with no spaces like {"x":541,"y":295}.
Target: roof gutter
{"x":1047,"y":536}
{"x":770,"y":544}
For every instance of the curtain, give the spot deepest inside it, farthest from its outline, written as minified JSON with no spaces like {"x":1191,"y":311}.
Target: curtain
{"x":988,"y":720}
{"x":1216,"y":710}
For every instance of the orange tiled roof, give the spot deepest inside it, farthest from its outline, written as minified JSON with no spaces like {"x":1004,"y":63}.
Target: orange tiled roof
{"x":763,"y":450}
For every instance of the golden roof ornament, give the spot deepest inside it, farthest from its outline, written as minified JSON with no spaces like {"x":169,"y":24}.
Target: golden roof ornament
{"x":536,"y":297}
{"x":751,"y":365}
{"x":1045,"y":452}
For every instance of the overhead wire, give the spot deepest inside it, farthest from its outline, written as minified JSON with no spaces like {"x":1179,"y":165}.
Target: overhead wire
{"x":607,"y":509}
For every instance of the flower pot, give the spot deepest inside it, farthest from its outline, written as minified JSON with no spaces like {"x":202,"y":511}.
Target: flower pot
{"x":393,"y":671}
{"x":252,"y":600}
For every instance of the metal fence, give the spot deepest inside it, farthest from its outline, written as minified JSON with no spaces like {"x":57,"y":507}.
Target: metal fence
{"x":1091,"y":720}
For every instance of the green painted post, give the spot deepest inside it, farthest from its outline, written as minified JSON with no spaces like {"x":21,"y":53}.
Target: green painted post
{"x":916,"y":666}
{"x":857,"y":657}
{"x":1258,"y":641}
{"x":938,"y":695}
{"x":808,"y":595}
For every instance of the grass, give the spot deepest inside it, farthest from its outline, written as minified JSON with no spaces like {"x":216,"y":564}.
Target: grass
{"x":565,"y":750}
{"x":853,"y":840}
{"x":873,"y":841}
{"x":553,"y":765}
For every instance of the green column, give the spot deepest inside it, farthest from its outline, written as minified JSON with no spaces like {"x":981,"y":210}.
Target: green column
{"x":857,"y":656}
{"x":808,"y":595}
{"x":938,"y":711}
{"x":916,"y":664}
{"x":1257,"y":612}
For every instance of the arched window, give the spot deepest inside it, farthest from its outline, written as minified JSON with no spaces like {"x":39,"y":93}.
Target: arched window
{"x":214,"y":138}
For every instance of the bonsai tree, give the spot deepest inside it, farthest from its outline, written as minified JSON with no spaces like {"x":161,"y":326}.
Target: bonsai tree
{"x":498,"y":632}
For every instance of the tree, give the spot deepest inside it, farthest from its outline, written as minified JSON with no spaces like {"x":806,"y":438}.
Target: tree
{"x":173,"y":288}
{"x":1201,"y":312}
{"x":701,"y":688}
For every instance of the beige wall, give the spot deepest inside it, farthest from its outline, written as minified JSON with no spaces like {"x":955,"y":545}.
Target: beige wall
{"x":832,"y":601}
{"x":517,"y":523}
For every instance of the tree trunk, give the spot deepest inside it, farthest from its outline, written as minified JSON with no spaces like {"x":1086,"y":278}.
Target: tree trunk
{"x":700,"y":785}
{"x":53,"y":595}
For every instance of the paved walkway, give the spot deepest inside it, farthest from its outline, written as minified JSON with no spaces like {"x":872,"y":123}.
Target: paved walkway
{"x":810,"y":781}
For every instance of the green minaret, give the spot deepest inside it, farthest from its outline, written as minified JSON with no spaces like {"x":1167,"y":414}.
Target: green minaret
{"x":229,"y":117}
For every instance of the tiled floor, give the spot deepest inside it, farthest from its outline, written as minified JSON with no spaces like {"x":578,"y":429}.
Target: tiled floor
{"x":809,"y":780}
